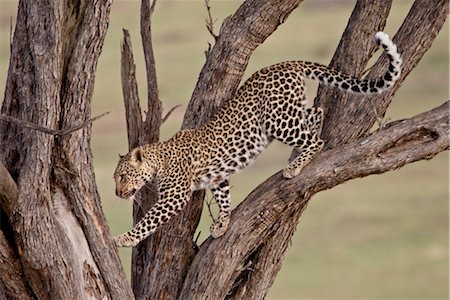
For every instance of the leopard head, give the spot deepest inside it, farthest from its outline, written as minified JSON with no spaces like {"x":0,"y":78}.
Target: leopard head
{"x":133,"y":171}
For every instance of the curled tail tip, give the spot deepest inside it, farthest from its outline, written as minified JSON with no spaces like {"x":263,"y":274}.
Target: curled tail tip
{"x":382,"y":38}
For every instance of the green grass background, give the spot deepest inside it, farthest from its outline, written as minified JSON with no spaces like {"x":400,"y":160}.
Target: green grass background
{"x":384,"y":236}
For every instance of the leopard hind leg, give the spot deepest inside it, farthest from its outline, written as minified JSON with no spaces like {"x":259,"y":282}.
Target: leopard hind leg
{"x":308,"y":143}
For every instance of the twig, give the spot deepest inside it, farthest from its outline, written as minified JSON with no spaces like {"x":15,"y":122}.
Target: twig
{"x":208,"y":205}
{"x":10,"y":34}
{"x":84,"y":124}
{"x":169,"y":113}
{"x":381,"y":120}
{"x":207,"y":51}
{"x":152,"y":6}
{"x":56,"y":132}
{"x":195,"y":241}
{"x":209,"y":21}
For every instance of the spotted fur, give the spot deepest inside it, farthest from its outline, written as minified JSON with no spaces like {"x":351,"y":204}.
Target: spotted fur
{"x":269,"y":105}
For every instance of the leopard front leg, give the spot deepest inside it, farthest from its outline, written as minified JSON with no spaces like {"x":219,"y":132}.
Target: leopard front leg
{"x":221,"y":193}
{"x":173,"y":198}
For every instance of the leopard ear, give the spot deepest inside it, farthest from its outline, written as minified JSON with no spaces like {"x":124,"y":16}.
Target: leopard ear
{"x":136,"y":155}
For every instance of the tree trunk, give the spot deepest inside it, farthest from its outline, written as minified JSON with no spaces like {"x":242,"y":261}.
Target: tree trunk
{"x":60,"y":234}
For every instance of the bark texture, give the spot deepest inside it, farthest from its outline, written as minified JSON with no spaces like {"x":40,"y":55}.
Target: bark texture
{"x":60,"y":234}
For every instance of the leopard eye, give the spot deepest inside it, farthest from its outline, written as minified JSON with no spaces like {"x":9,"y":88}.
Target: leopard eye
{"x":122,"y":177}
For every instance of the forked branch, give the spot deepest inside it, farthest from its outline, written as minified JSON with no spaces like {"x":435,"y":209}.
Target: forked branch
{"x":209,"y":21}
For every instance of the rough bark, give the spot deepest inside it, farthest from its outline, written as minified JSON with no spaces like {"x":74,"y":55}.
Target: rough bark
{"x":60,"y":232}
{"x":12,"y":285}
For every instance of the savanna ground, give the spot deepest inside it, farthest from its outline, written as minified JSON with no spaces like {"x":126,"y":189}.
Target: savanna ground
{"x":379,"y":237}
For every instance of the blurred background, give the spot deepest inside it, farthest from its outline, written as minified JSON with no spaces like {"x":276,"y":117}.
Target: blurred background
{"x":385,"y":236}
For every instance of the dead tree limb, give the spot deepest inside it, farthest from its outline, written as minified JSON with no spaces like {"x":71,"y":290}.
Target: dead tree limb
{"x":56,"y":132}
{"x":141,"y":132}
{"x":209,"y":21}
{"x":133,"y":112}
{"x":154,"y":107}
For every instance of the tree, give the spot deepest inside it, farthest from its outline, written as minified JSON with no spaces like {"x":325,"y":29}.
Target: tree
{"x":56,"y":243}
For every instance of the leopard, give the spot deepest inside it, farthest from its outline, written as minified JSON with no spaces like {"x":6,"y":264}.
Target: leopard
{"x":270,"y":105}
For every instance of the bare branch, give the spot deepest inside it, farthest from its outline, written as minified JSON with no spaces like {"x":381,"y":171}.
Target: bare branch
{"x":210,"y":22}
{"x":154,"y":109}
{"x":164,"y":119}
{"x":82,"y":125}
{"x":150,"y":134}
{"x":209,"y":203}
{"x":130,"y":92}
{"x":56,"y":132}
{"x":10,"y":34}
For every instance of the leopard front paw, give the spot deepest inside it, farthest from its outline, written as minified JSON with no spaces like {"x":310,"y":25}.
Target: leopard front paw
{"x":220,"y":226}
{"x":124,"y":241}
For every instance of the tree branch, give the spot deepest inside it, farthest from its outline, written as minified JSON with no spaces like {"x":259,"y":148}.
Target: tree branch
{"x":56,"y":132}
{"x":130,"y":92}
{"x":154,"y":110}
{"x":209,"y":21}
{"x":169,"y":113}
{"x":268,"y":206}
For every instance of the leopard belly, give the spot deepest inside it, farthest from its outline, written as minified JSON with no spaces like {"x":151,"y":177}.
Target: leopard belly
{"x":230,"y":158}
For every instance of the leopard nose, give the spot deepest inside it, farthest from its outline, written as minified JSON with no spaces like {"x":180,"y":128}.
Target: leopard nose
{"x":118,"y":193}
